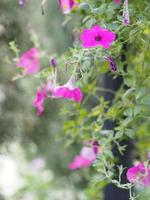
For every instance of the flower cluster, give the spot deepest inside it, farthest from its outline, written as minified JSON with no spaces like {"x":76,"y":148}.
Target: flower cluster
{"x":93,"y":37}
{"x":30,"y":63}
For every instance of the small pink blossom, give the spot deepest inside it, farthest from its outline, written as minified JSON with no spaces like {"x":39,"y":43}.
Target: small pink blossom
{"x":139,"y":174}
{"x":117,"y":1}
{"x":97,"y":36}
{"x":38,"y":103}
{"x":67,"y":91}
{"x":29,"y":61}
{"x":68,"y":5}
{"x":85,"y":158}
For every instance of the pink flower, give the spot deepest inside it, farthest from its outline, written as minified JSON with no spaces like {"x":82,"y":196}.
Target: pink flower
{"x":21,"y":2}
{"x":139,"y":174}
{"x":117,"y":1}
{"x":67,"y":5}
{"x":79,"y":162}
{"x":86,"y":157}
{"x":29,"y":61}
{"x":97,"y":36}
{"x":67,"y":91}
{"x":38,"y":103}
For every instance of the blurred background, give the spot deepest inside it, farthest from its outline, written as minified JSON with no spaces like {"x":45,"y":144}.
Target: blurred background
{"x":33,"y":155}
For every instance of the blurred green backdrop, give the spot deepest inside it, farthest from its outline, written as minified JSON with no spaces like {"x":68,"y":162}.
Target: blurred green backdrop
{"x":36,"y":146}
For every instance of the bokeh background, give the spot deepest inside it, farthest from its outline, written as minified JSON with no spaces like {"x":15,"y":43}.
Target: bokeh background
{"x":34,"y":156}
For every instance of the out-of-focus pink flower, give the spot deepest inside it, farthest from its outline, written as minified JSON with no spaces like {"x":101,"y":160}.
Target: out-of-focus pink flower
{"x":38,"y":103}
{"x":97,"y":36}
{"x":67,"y":91}
{"x":68,"y":5}
{"x":139,"y":174}
{"x":86,"y":157}
{"x":29,"y":61}
{"x":126,"y":18}
{"x":117,"y":1}
{"x":79,"y":162}
{"x":22,"y":2}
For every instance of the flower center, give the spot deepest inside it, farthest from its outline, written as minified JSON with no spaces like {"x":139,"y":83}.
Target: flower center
{"x":98,"y":38}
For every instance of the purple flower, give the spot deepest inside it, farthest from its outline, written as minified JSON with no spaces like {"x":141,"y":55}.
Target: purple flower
{"x":139,"y":174}
{"x":53,"y":62}
{"x":97,"y":36}
{"x":112,"y":63}
{"x":126,"y":19}
{"x":96,"y":147}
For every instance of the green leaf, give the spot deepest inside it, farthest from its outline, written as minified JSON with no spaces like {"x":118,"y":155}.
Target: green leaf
{"x":141,"y":92}
{"x":128,"y":112}
{"x":130,"y":133}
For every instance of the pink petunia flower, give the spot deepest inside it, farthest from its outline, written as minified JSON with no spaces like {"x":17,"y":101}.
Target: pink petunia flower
{"x":38,"y":103}
{"x":67,"y":91}
{"x":117,"y":1}
{"x":86,"y":157}
{"x":68,"y":5}
{"x":29,"y":61}
{"x":139,"y":174}
{"x":97,"y":36}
